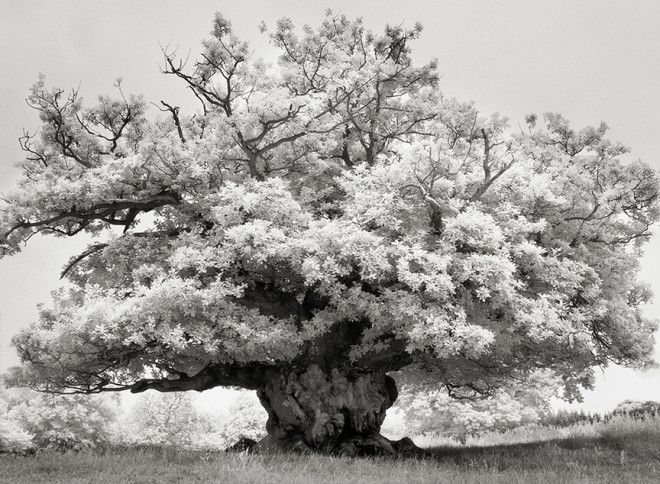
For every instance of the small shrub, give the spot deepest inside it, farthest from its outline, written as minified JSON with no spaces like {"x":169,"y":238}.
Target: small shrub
{"x":71,"y":422}
{"x":248,"y":419}
{"x":13,"y":438}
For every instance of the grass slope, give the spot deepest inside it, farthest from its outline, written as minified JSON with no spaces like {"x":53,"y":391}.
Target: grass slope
{"x":619,"y":451}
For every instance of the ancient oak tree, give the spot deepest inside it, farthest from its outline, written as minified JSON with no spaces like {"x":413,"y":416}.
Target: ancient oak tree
{"x":321,"y":225}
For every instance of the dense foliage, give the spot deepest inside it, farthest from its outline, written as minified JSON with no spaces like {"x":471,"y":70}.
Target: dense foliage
{"x":330,"y":214}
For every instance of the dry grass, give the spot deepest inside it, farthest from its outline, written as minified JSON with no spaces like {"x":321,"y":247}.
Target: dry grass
{"x":618,"y":451}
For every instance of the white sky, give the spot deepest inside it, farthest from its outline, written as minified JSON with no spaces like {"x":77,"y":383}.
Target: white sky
{"x":591,"y":60}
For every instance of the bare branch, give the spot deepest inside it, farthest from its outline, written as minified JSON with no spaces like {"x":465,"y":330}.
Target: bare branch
{"x":174,"y":111}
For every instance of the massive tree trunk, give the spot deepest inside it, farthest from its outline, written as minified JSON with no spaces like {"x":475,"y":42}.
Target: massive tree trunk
{"x":335,"y":411}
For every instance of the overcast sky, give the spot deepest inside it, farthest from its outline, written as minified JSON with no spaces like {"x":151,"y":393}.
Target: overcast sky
{"x":590,"y":60}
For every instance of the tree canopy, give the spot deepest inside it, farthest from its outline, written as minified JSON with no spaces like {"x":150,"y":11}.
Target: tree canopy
{"x":330,"y":215}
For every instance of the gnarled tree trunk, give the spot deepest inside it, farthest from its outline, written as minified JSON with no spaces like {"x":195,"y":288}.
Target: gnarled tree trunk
{"x":335,"y":411}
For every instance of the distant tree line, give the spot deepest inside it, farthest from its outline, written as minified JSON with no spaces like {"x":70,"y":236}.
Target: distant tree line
{"x":631,"y":409}
{"x":31,"y":421}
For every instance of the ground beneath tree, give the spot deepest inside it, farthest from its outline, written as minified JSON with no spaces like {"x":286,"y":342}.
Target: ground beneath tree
{"x":589,"y":460}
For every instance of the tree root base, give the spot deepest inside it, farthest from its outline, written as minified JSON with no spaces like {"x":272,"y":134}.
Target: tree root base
{"x":357,"y":446}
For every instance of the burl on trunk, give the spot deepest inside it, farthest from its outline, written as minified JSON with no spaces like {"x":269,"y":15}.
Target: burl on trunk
{"x":336,"y":411}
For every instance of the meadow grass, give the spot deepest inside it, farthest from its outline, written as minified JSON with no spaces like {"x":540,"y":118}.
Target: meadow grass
{"x":622,"y":450}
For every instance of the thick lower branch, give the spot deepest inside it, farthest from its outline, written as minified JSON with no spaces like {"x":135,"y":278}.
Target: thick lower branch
{"x":250,"y":376}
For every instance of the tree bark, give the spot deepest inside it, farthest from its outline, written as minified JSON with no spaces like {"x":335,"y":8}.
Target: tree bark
{"x":337,"y":411}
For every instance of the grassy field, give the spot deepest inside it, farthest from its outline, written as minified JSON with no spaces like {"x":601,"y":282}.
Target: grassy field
{"x":622,"y":451}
